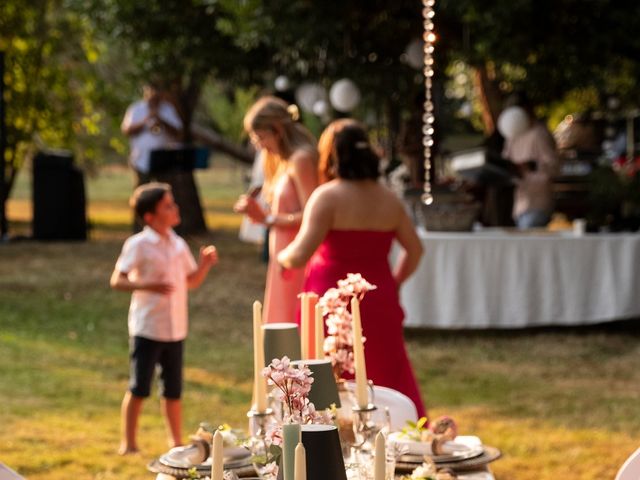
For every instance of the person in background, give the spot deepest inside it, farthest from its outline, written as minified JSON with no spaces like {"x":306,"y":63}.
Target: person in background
{"x":291,"y":176}
{"x":533,"y":150}
{"x":150,"y":123}
{"x":157,"y":267}
{"x":350,"y":223}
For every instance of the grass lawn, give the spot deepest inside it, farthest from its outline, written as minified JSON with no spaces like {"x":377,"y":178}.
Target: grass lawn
{"x":559,"y":403}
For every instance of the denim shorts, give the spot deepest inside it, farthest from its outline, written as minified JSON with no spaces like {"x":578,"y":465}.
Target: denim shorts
{"x":144,"y":355}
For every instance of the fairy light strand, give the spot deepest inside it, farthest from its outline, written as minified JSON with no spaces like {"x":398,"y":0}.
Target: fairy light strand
{"x":428,"y":117}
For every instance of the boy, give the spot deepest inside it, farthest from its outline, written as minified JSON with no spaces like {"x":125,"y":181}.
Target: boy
{"x":157,"y":266}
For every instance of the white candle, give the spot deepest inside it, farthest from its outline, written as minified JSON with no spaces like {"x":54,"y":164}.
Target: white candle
{"x":312,"y":300}
{"x":259,"y":382}
{"x":304,"y":326}
{"x":380,"y":465}
{"x":362,"y":393}
{"x":301,"y":463}
{"x":291,"y":437}
{"x":319,"y":337}
{"x":217,"y":457}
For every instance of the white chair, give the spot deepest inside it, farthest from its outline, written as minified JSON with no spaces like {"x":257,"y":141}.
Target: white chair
{"x":630,"y":469}
{"x":7,"y":474}
{"x":401,"y":407}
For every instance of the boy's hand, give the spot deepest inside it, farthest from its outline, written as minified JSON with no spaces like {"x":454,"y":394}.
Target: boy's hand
{"x":161,"y":288}
{"x":208,"y":256}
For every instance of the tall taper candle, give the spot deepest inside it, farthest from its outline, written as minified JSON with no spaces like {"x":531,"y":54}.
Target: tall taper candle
{"x":362,"y":394}
{"x":319,"y":334}
{"x":312,"y":300}
{"x":290,"y":437}
{"x":380,"y":466}
{"x":301,"y":463}
{"x":217,"y":457}
{"x":304,"y":326}
{"x":259,"y":382}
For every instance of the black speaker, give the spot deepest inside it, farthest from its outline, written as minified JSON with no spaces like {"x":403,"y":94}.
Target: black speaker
{"x":59,"y":202}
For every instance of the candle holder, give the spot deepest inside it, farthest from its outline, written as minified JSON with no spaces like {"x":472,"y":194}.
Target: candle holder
{"x":259,"y":421}
{"x":364,"y":427}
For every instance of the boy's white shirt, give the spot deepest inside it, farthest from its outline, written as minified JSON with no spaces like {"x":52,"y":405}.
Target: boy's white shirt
{"x":147,"y":257}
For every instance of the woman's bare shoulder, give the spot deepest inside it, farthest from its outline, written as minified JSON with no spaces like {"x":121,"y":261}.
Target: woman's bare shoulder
{"x":303,"y":156}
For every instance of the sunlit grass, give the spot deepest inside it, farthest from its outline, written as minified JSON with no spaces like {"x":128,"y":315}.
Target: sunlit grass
{"x":559,"y":403}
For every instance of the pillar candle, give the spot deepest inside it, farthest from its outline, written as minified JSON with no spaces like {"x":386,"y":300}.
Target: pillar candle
{"x":362,"y":394}
{"x":319,"y":334}
{"x":312,"y":300}
{"x":380,"y":466}
{"x":301,"y":463}
{"x":304,"y":326}
{"x":217,"y":457}
{"x":259,"y":382}
{"x":291,"y":435}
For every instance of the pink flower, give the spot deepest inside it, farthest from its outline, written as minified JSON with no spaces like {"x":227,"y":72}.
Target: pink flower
{"x":335,"y":306}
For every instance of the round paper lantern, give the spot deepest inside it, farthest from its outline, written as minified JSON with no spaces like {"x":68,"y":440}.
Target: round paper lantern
{"x":344,"y":95}
{"x":513,"y":121}
{"x":281,"y":83}
{"x":414,"y":54}
{"x":321,"y":108}
{"x":308,"y":94}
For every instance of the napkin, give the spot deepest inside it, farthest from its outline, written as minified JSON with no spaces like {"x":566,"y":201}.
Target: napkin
{"x":462,"y":443}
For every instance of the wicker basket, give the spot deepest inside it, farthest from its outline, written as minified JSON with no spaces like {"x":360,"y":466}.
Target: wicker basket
{"x":449,"y":217}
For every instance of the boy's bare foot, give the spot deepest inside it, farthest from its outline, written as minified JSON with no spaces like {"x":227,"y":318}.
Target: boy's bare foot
{"x":126,"y":450}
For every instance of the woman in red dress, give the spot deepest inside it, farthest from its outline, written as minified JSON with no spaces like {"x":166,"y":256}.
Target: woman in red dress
{"x":349,"y":223}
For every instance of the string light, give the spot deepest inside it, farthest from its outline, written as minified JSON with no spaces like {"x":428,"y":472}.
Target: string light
{"x":428,"y":117}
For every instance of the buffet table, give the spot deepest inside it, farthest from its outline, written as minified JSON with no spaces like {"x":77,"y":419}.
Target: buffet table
{"x":508,"y":279}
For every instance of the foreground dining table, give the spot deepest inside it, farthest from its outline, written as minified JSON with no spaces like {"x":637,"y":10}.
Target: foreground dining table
{"x":508,"y":279}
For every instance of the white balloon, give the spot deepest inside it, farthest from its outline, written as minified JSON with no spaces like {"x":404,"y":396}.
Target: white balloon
{"x":308,"y":94}
{"x":344,"y":95}
{"x":414,"y":54}
{"x":281,"y":83}
{"x":513,"y":121}
{"x":466,"y":109}
{"x":321,"y":108}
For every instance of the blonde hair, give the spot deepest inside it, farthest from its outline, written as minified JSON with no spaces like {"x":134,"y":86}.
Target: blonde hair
{"x":273,"y":114}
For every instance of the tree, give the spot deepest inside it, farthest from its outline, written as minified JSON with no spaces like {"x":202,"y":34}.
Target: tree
{"x":53,"y":95}
{"x":547,"y":48}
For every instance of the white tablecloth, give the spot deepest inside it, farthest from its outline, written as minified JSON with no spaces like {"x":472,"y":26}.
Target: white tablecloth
{"x":506,"y":280}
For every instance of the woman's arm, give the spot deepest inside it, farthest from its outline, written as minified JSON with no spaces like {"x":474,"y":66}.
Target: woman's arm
{"x":316,"y":222}
{"x":409,"y":258}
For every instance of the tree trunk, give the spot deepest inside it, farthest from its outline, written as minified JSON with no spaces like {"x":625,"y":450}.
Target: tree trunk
{"x":185,"y":193}
{"x":490,"y":97}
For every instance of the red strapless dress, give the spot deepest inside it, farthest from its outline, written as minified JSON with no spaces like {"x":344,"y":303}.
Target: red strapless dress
{"x":367,"y":252}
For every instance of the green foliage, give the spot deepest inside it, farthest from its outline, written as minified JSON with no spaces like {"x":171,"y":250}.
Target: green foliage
{"x":546,"y":47}
{"x":55,"y":94}
{"x":226,"y":109}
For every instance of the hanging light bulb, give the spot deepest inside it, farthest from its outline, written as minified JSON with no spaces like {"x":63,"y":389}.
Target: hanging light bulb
{"x":428,"y":118}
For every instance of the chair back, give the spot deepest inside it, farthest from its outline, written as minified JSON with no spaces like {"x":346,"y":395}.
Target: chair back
{"x":630,"y":469}
{"x":7,"y":474}
{"x":401,"y":407}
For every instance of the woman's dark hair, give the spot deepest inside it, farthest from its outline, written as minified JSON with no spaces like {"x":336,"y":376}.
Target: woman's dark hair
{"x":355,"y":159}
